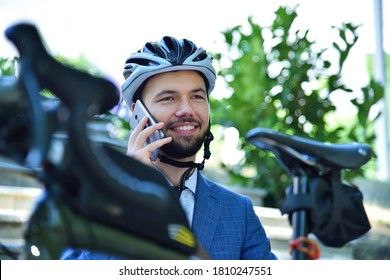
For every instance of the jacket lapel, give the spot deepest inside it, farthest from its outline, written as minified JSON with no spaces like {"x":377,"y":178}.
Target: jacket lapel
{"x":206,"y":212}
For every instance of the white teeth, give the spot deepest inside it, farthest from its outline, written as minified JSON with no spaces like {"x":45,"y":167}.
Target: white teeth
{"x":186,"y":127}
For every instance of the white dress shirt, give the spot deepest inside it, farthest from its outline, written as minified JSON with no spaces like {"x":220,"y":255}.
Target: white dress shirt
{"x":187,"y":197}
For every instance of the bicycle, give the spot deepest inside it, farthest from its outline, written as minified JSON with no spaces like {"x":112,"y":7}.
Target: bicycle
{"x":95,"y":197}
{"x":92,"y":190}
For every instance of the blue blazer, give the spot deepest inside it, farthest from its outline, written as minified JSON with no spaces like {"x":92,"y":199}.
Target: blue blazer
{"x":226,"y":224}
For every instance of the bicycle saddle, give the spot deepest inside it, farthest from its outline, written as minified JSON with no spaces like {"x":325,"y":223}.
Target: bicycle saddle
{"x":289,"y":149}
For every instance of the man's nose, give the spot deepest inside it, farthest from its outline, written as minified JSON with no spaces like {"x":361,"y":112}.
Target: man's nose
{"x":185,"y":108}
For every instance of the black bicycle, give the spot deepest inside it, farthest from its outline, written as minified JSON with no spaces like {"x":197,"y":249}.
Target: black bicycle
{"x":95,"y":197}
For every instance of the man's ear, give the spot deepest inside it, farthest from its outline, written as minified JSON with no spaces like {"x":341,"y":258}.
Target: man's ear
{"x":132,"y":106}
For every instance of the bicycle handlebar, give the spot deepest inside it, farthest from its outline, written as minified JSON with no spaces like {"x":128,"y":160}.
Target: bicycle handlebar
{"x":75,"y":88}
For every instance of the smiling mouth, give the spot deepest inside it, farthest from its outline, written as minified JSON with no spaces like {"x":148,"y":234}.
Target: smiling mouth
{"x":184,"y":128}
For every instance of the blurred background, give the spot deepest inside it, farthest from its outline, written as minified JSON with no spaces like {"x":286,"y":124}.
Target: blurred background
{"x":316,"y":69}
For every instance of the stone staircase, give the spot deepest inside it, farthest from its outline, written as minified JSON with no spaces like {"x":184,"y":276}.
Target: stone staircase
{"x":16,"y":205}
{"x":18,"y":193}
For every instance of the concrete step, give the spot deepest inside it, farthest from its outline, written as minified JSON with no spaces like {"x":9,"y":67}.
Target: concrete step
{"x":11,"y":249}
{"x":13,"y":174}
{"x":16,"y":204}
{"x":272,"y":216}
{"x":13,"y":198}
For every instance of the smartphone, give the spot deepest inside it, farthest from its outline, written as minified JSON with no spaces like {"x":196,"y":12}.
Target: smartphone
{"x":138,"y":114}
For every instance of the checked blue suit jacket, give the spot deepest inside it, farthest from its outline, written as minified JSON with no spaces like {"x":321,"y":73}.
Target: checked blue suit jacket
{"x":224,"y":222}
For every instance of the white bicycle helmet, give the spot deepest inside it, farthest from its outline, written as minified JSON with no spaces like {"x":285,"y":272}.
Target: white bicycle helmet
{"x":167,"y":55}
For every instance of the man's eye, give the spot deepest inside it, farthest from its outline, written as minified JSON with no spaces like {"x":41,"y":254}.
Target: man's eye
{"x":198,"y":97}
{"x":168,"y":98}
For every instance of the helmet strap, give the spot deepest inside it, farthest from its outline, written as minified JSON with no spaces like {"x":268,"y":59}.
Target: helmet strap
{"x":190,"y":164}
{"x":175,"y":163}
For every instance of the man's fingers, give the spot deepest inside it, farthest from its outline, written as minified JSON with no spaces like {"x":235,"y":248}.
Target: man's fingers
{"x":136,"y":145}
{"x":144,"y":154}
{"x":134,"y":133}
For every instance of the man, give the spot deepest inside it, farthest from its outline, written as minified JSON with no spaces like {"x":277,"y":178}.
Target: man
{"x":173,"y":79}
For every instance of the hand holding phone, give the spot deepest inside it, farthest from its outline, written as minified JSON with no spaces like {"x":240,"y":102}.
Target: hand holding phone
{"x":138,"y":114}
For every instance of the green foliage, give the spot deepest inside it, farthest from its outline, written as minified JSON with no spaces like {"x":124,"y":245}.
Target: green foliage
{"x":281,"y":80}
{"x":370,"y":61}
{"x":8,"y":66}
{"x":80,"y":63}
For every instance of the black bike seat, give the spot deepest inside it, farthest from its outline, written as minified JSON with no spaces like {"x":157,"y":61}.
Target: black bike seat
{"x":344,"y":156}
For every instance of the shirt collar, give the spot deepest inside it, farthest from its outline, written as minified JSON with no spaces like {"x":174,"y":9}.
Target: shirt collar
{"x":191,"y":182}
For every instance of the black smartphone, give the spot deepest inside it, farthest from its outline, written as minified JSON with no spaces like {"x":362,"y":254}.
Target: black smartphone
{"x":138,"y":114}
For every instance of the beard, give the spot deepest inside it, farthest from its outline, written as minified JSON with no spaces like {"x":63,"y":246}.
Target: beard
{"x":184,"y":147}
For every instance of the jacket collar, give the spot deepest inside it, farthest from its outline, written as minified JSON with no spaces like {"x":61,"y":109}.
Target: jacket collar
{"x":206,"y":212}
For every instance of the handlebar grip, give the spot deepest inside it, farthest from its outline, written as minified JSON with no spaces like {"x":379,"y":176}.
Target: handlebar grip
{"x":74,"y":87}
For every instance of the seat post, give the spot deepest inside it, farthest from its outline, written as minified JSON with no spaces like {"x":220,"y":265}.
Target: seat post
{"x":299,"y":217}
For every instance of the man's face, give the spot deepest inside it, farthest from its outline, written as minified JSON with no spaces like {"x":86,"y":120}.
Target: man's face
{"x":179,"y":99}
